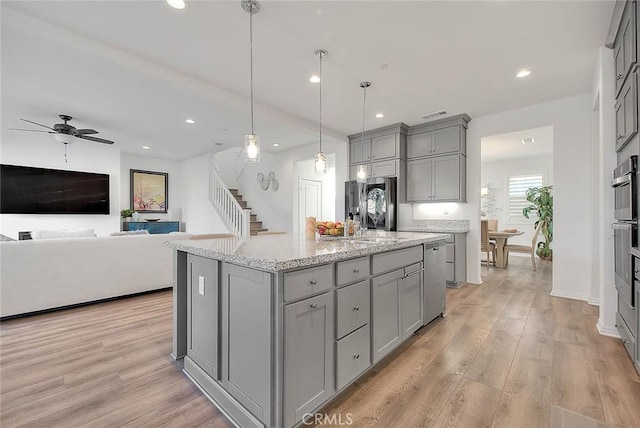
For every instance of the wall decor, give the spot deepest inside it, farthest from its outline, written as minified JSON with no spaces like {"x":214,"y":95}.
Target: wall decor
{"x":268,"y":180}
{"x":149,"y":191}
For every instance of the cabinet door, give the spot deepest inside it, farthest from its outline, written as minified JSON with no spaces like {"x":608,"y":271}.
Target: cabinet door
{"x":446,"y":140}
{"x":419,"y":145}
{"x":435,"y":283}
{"x":382,"y":169}
{"x":384,"y":147}
{"x":308,"y":356}
{"x":627,"y":112}
{"x":246,"y":337}
{"x":357,"y":151}
{"x":387,"y":333}
{"x":419,"y":180}
{"x":411,"y":300}
{"x":446,"y":178}
{"x":202,"y":313}
{"x":625,"y":44}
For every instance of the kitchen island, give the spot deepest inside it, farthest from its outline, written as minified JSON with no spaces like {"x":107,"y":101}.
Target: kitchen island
{"x":272,"y":328}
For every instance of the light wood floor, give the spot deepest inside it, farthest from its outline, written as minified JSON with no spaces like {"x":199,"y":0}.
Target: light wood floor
{"x":504,"y":354}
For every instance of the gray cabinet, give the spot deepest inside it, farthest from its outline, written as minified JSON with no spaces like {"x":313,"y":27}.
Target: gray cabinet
{"x":246,"y":329}
{"x":353,"y":356}
{"x":437,"y":179}
{"x":450,"y":139}
{"x":626,"y":109}
{"x":202,"y":320}
{"x":385,"y":147}
{"x":419,"y":145}
{"x":624,"y":46}
{"x":359,"y":151}
{"x":308,"y":356}
{"x":456,"y":260}
{"x":435,"y":284}
{"x":385,"y":296}
{"x":410,"y":289}
{"x":353,"y":308}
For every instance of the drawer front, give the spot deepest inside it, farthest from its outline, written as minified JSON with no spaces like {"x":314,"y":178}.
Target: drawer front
{"x":306,"y":282}
{"x":352,"y":270}
{"x":625,"y":335}
{"x":451,"y":253}
{"x":352,"y":356}
{"x":395,"y":259}
{"x":451,"y":272}
{"x":451,"y":238}
{"x":628,"y":314}
{"x":354,"y":304}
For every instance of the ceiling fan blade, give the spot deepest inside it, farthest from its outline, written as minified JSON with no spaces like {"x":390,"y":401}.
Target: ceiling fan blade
{"x":97,"y":140}
{"x":31,"y":130}
{"x":86,"y":131}
{"x":39,"y":124}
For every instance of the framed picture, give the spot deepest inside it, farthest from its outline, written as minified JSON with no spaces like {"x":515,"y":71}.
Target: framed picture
{"x":149,"y":191}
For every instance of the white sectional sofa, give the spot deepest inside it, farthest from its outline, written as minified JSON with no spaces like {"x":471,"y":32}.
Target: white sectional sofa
{"x":51,"y":273}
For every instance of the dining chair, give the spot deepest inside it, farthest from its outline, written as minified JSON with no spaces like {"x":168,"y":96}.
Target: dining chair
{"x":493,"y":224}
{"x":213,"y":236}
{"x":485,"y":245}
{"x":514,"y":248}
{"x":271,"y":232}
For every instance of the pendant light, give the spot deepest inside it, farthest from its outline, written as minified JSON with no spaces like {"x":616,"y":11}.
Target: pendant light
{"x":251,"y":141}
{"x":321,"y":158}
{"x":361,"y":173}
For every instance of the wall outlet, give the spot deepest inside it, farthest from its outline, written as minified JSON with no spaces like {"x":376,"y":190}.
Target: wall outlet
{"x":201,"y":285}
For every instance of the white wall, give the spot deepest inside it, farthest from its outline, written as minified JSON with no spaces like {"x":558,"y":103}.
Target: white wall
{"x":41,"y":150}
{"x":497,"y":173}
{"x":198,"y":214}
{"x":571,"y":121}
{"x":228,"y":164}
{"x":305,"y":169}
{"x":129,"y":161}
{"x":275,"y":209}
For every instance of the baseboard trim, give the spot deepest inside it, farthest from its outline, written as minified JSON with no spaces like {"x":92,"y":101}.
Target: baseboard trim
{"x":569,"y":295}
{"x":594,"y":301}
{"x":607,"y":331}
{"x":77,"y":305}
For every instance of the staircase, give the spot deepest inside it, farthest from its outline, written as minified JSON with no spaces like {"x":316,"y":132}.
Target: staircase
{"x":256,"y":226}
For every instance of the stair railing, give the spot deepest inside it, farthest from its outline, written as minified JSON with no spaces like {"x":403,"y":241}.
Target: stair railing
{"x":236,"y":218}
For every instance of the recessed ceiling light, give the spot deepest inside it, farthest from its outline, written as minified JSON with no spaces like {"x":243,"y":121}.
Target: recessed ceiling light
{"x":146,"y":147}
{"x":177,"y":4}
{"x":314,"y":79}
{"x":528,"y":140}
{"x":276,"y":145}
{"x":523,"y":73}
{"x":380,"y":115}
{"x":191,"y":121}
{"x":384,"y":66}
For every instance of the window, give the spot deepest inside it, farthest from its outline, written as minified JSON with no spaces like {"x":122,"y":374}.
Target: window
{"x":518,"y":186}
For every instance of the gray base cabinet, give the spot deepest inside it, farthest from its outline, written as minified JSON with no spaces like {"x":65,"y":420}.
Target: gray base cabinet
{"x":308,"y":356}
{"x":435,"y":284}
{"x":353,"y":356}
{"x":385,"y":304}
{"x":411,"y":300}
{"x":456,"y":258}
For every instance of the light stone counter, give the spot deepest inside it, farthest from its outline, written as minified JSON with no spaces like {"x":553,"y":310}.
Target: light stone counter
{"x":275,"y":253}
{"x":440,"y":226}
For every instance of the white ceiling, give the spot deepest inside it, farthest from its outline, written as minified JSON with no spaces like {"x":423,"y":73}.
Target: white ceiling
{"x":136,"y":70}
{"x":509,"y":146}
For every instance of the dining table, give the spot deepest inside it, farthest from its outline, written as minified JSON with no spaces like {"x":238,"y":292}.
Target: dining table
{"x":501,"y":237}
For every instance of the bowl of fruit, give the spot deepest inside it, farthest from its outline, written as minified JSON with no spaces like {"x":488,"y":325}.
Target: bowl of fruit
{"x":330,"y":229}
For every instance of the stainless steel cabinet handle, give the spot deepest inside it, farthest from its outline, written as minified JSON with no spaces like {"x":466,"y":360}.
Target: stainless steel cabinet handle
{"x":313,"y":282}
{"x":413,"y":273}
{"x":435,"y":249}
{"x":619,"y":76}
{"x":356,"y":356}
{"x":313,"y":305}
{"x":625,"y":341}
{"x":620,"y":137}
{"x":356,"y":270}
{"x":356,"y":308}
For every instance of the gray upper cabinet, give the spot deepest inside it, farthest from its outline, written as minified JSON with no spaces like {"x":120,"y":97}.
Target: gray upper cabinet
{"x":419,"y":145}
{"x":624,"y":47}
{"x":308,"y":353}
{"x":447,"y":140}
{"x":626,"y":109}
{"x":441,"y":179}
{"x":359,"y":153}
{"x":384,"y":147}
{"x":387,"y":332}
{"x":438,"y":141}
{"x":202,"y":322}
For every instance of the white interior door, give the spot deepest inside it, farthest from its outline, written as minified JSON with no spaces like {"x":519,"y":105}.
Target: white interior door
{"x":309,"y":201}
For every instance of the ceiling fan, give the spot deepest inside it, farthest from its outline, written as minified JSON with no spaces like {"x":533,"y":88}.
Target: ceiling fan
{"x":65,"y":133}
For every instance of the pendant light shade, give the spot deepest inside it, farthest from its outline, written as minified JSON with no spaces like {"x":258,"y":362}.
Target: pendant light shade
{"x":361,"y":172}
{"x":321,"y":158}
{"x":251,"y":141}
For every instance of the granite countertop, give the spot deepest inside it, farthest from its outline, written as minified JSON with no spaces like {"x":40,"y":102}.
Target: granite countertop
{"x":439,"y":226}
{"x":274,"y":253}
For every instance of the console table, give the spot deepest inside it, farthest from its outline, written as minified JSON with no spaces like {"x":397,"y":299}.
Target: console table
{"x":152,"y":227}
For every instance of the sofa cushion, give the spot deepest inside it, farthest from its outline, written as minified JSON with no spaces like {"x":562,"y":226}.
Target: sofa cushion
{"x":63,"y":233}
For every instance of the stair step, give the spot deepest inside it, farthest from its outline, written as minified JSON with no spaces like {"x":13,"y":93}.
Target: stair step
{"x":254,"y":232}
{"x":256,"y":225}
{"x":254,"y":217}
{"x":234,"y":191}
{"x":243,"y":204}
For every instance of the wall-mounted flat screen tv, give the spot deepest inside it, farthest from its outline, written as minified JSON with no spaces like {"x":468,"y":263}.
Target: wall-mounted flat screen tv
{"x":28,"y":190}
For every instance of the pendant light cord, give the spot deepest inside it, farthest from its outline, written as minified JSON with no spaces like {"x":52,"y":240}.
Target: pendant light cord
{"x":364,"y":107}
{"x":321,"y":55}
{"x":251,"y":62}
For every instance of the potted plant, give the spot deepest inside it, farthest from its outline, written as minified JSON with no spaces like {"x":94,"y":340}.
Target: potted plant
{"x":126,"y":214}
{"x":542,"y":201}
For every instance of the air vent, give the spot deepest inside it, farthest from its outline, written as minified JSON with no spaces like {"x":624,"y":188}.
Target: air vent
{"x":528,"y":141}
{"x":433,"y":115}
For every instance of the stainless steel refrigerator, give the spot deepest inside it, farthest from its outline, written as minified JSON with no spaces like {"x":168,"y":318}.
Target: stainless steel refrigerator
{"x":381,"y":202}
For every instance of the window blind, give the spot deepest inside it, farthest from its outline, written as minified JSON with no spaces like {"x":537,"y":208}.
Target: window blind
{"x":518,"y":186}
